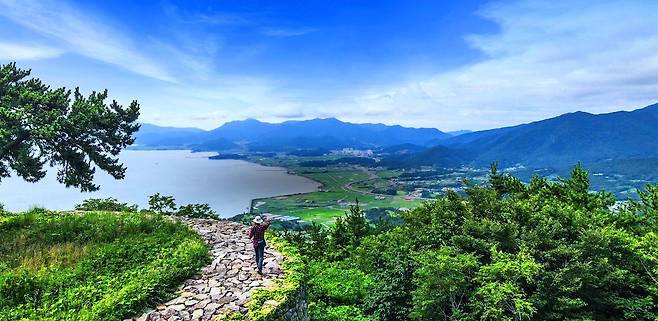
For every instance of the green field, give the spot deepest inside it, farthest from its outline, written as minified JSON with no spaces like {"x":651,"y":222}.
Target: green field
{"x":335,"y":197}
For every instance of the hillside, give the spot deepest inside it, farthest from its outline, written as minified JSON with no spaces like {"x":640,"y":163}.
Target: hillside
{"x":503,"y":250}
{"x":555,"y":143}
{"x":567,"y":139}
{"x":441,"y":156}
{"x":118,"y":263}
{"x":93,"y":265}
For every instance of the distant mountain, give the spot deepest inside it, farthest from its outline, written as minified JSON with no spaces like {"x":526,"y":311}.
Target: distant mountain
{"x":151,"y":136}
{"x":556,"y":143}
{"x":459,"y":132}
{"x":323,"y":133}
{"x":247,"y":130}
{"x":566,"y":139}
{"x":215,"y":144}
{"x":401,"y":149}
{"x":329,"y":133}
{"x":441,"y":156}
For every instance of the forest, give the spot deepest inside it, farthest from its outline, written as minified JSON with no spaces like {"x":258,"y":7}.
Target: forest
{"x":505,"y":250}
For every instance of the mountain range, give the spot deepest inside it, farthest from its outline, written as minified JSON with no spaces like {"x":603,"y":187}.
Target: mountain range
{"x":566,"y":140}
{"x":556,"y":142}
{"x":254,"y":135}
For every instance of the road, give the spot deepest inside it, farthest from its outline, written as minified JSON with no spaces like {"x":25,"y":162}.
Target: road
{"x":371,"y":176}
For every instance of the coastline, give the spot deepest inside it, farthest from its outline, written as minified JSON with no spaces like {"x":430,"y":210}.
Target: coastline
{"x":229,"y":187}
{"x":288,"y":171}
{"x":247,"y":159}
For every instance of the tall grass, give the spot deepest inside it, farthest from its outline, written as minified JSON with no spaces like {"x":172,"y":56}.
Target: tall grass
{"x":91,"y":266}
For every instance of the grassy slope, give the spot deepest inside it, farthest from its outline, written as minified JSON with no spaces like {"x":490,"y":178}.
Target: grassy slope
{"x":91,"y":266}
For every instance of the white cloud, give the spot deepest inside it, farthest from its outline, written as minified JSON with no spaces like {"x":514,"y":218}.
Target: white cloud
{"x":82,"y":33}
{"x":210,"y":18}
{"x":15,"y":51}
{"x":194,"y":94}
{"x":217,"y":100}
{"x":550,"y":57}
{"x":287,"y":32}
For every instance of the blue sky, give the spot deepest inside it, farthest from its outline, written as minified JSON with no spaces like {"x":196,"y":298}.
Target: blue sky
{"x":445,"y":64}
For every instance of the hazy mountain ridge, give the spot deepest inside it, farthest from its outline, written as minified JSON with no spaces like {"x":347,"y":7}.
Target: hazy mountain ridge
{"x":556,"y":142}
{"x":567,"y":139}
{"x":153,"y":136}
{"x":289,"y":135}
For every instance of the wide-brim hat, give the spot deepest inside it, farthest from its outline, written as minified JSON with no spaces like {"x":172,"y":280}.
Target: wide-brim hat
{"x":258,"y":220}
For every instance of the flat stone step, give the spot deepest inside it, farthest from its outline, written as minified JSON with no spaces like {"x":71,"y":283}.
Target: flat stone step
{"x":226,"y":284}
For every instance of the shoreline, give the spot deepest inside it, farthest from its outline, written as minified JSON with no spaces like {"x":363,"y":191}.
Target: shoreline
{"x":252,"y":161}
{"x":227,"y":200}
{"x":288,"y":172}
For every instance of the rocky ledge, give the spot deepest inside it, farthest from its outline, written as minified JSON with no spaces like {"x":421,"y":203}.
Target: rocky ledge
{"x":226,"y":284}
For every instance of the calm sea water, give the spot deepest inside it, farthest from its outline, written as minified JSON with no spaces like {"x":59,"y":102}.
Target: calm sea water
{"x":227,"y":185}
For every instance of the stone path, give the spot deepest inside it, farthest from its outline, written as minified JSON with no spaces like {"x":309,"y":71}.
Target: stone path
{"x":224,"y":285}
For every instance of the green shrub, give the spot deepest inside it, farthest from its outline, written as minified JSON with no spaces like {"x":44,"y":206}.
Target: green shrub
{"x":166,"y":205}
{"x":105,"y":204}
{"x":337,"y":283}
{"x":161,"y":204}
{"x":546,"y":250}
{"x":3,"y":212}
{"x":319,"y":311}
{"x":196,"y":211}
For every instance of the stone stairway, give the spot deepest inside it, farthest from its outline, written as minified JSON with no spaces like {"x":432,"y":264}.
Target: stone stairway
{"x":226,"y":284}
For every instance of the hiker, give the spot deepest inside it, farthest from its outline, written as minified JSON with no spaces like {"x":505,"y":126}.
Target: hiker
{"x":257,"y":236}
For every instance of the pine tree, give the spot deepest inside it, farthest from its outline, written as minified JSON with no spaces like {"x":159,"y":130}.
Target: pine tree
{"x":41,"y":126}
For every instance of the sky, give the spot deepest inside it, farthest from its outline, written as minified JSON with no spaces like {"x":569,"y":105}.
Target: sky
{"x":450,"y":65}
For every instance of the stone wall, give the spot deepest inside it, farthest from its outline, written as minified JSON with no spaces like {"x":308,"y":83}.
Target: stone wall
{"x":287,"y":299}
{"x":294,"y":309}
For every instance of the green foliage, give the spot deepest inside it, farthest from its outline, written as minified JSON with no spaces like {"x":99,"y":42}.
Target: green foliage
{"x":40,"y":125}
{"x":311,"y":243}
{"x":337,"y":283}
{"x":161,"y":204}
{"x":347,"y":232}
{"x":105,"y":204}
{"x":196,"y":211}
{"x":443,"y":279}
{"x":391,"y":297}
{"x":318,"y":311}
{"x":166,"y":205}
{"x":500,"y":294}
{"x":91,"y":266}
{"x":504,"y":251}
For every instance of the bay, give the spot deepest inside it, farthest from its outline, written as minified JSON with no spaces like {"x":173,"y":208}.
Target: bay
{"x":227,"y":185}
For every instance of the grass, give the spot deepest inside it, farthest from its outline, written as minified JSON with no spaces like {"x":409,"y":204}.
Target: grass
{"x":91,"y":266}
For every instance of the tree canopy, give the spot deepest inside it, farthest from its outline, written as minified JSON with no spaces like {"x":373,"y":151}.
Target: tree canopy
{"x":546,"y":250}
{"x":42,"y":126}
